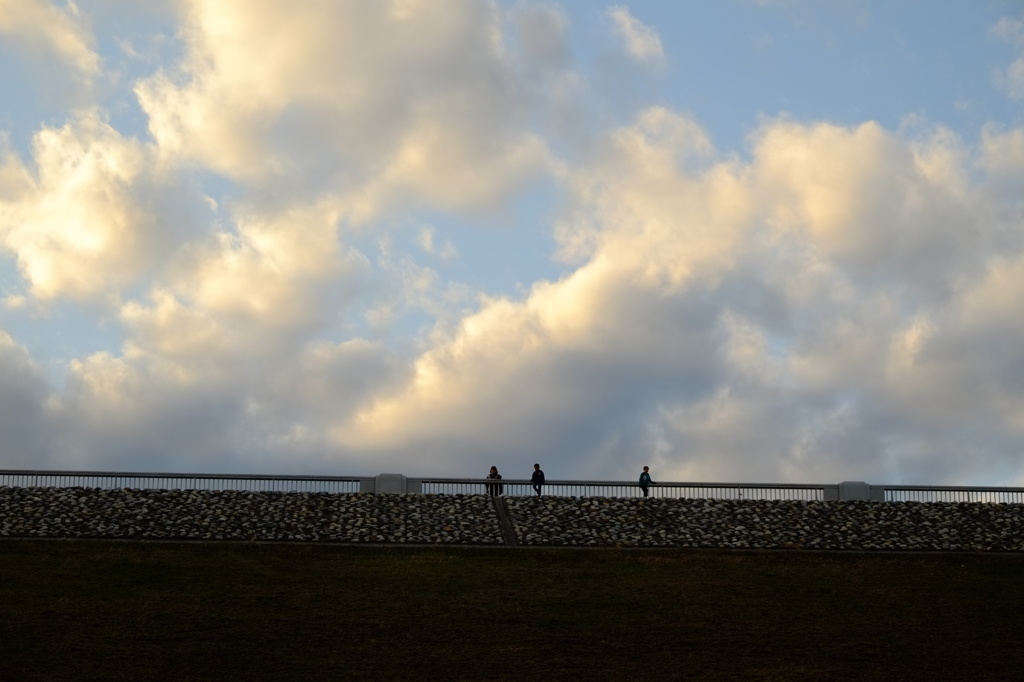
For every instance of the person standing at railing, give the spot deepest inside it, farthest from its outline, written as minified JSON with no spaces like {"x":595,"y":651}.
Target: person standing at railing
{"x":494,"y":489}
{"x":645,"y":481}
{"x":537,"y":479}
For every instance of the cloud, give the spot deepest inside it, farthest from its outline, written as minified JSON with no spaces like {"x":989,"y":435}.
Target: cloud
{"x":767,"y":320}
{"x":541,"y":36}
{"x":872,"y":202}
{"x":641,"y":41}
{"x":1002,"y":158}
{"x":278,"y":258}
{"x":1011,"y":78}
{"x":428,"y":242}
{"x":89,"y":217}
{"x":38,"y":25}
{"x":119,"y":413}
{"x":759,"y":320}
{"x":23,"y":418}
{"x":296,"y":407}
{"x":379,"y":102}
{"x":585,"y":360}
{"x":1010,"y":29}
{"x":246,"y":295}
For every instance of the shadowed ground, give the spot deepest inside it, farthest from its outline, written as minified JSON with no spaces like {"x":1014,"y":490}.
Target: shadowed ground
{"x":121,"y":610}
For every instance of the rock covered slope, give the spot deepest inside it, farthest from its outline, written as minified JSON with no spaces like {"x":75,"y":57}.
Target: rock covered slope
{"x":768,"y":524}
{"x":472,"y":519}
{"x":253,"y":516}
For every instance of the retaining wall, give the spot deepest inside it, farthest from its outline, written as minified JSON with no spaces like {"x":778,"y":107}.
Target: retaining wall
{"x":473,"y":519}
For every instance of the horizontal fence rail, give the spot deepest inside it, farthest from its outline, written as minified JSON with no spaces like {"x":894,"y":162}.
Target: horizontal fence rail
{"x":511,"y":487}
{"x":561,"y":488}
{"x":921,"y":493}
{"x":171,"y":481}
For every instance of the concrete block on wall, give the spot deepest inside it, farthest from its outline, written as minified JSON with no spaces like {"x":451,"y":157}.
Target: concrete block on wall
{"x":394,"y":484}
{"x":854,"y":490}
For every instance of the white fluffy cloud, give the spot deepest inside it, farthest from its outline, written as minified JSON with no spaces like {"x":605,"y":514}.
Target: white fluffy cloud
{"x":382,"y":102}
{"x":642,"y":42}
{"x":249,"y":294}
{"x":88,"y":215}
{"x":39,"y":25}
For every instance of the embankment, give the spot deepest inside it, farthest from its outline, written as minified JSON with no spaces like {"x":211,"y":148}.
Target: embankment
{"x":473,"y":519}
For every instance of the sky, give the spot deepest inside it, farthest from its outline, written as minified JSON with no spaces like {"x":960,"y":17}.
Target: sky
{"x":733,"y":240}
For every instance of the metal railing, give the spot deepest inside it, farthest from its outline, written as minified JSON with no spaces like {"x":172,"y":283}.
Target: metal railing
{"x":933,"y":493}
{"x":173,"y":481}
{"x":511,"y":487}
{"x":562,"y":488}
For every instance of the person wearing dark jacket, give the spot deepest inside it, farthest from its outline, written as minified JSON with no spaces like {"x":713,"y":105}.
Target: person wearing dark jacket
{"x":495,"y":489}
{"x":537,"y":479}
{"x":645,"y":481}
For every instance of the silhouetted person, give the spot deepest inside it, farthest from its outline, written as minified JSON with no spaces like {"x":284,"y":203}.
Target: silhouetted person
{"x":645,"y":481}
{"x":537,"y":479}
{"x":495,"y":488}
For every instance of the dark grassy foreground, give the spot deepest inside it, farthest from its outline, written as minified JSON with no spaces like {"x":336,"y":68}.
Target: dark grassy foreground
{"x":135,"y":611}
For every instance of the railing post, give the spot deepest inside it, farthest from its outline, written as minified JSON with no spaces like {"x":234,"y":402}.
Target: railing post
{"x":859,"y":490}
{"x":390,"y":484}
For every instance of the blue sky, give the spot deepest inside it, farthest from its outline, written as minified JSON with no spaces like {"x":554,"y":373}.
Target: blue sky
{"x":746,"y":240}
